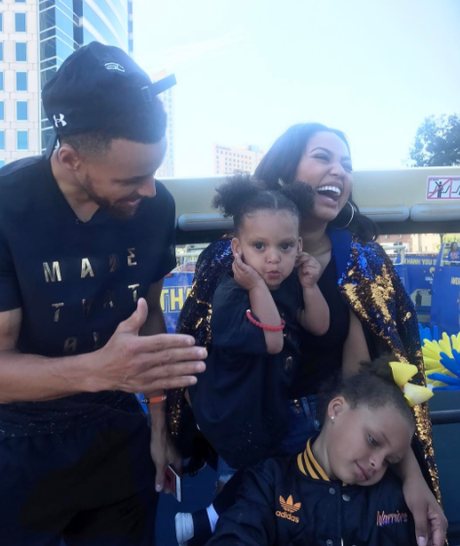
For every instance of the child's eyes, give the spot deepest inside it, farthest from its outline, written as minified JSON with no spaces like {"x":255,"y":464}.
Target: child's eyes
{"x":261,"y":246}
{"x":373,"y":441}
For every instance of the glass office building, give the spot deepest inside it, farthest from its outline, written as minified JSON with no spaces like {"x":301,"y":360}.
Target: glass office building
{"x":36,"y":36}
{"x":66,"y":25}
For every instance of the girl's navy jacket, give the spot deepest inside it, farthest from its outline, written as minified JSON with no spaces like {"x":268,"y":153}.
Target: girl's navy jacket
{"x":291,"y":502}
{"x":240,"y":401}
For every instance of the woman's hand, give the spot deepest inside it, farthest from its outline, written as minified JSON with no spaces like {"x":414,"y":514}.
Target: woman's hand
{"x":430,"y":521}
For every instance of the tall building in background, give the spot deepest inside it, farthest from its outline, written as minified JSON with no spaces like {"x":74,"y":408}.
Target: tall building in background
{"x":130,"y":28}
{"x":227,"y":160}
{"x":36,"y":37}
{"x":19,"y":87}
{"x":167,"y":167}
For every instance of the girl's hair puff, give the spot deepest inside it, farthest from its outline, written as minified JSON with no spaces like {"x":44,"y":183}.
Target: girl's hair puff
{"x":372,"y":386}
{"x":243,"y":194}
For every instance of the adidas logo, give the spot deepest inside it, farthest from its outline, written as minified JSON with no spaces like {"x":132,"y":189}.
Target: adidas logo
{"x":289,"y":508}
{"x":285,"y":515}
{"x":289,"y":505}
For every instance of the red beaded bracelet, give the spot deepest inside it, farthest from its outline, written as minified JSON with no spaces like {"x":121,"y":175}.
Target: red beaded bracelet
{"x":264,"y":326}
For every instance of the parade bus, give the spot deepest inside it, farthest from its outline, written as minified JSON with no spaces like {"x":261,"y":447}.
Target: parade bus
{"x":414,"y":208}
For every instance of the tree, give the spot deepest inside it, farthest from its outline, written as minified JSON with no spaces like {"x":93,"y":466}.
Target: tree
{"x":437,"y":142}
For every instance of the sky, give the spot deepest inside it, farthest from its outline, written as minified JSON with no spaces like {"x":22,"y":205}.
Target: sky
{"x":248,"y":69}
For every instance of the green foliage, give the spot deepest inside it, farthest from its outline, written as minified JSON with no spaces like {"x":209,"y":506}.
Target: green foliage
{"x":451,"y":238}
{"x":437,"y":142}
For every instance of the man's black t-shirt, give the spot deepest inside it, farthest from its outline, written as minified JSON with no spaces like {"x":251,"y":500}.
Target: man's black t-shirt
{"x":74,"y":281}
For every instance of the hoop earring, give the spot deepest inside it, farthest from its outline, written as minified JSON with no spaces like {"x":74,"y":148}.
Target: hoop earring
{"x":351,"y":216}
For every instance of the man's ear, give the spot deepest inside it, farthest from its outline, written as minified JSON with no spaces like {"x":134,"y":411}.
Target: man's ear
{"x":69,"y":158}
{"x":236,"y":246}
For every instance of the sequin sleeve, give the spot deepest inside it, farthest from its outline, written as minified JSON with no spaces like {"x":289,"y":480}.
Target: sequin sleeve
{"x":407,"y":328}
{"x":195,"y":317}
{"x":376,"y":294}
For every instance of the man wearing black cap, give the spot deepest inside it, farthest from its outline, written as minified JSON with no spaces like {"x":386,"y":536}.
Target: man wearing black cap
{"x":86,"y":238}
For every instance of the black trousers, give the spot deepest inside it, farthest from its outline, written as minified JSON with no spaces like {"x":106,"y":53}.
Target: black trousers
{"x":94,"y":486}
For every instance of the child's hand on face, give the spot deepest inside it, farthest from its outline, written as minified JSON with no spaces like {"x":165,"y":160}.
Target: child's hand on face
{"x":309,"y":270}
{"x":245,"y":275}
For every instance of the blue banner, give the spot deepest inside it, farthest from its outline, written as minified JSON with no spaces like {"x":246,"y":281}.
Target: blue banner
{"x":445,"y":309}
{"x":417,"y":273}
{"x":433,"y":283}
{"x":176,"y":288}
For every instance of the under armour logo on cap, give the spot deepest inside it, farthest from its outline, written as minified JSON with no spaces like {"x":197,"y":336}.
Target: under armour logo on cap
{"x":115,"y":66}
{"x":59,"y":121}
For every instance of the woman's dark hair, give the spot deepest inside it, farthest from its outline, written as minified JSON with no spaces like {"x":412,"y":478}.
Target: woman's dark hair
{"x":146,"y":126}
{"x":372,"y":386}
{"x":243,"y":194}
{"x":281,"y":162}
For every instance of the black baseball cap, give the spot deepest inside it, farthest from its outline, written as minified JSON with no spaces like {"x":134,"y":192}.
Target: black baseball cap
{"x":93,"y":85}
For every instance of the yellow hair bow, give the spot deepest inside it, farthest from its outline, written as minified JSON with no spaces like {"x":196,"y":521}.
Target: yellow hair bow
{"x":414,"y":394}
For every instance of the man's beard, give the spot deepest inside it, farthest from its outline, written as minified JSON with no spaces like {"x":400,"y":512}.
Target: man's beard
{"x":116,"y":210}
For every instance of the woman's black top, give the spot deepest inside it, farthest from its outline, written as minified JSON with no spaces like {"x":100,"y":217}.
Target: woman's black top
{"x":321,"y":356}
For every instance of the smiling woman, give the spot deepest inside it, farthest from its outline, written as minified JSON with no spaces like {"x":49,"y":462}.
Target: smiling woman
{"x":320,"y":157}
